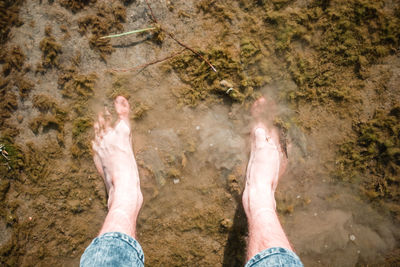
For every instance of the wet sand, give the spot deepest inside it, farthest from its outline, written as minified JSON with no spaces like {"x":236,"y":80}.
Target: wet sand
{"x":338,"y":200}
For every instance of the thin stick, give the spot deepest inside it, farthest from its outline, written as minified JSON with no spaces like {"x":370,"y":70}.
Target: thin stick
{"x":149,"y":63}
{"x":151,"y":12}
{"x":176,"y":40}
{"x":126,"y":33}
{"x":193,"y":51}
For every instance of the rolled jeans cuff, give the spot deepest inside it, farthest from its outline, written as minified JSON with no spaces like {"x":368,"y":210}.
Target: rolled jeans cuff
{"x":113,"y":249}
{"x":276,"y":257}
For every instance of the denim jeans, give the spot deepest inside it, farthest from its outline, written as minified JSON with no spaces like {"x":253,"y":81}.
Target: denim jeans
{"x":118,"y":249}
{"x":113,"y":249}
{"x":275,"y":257}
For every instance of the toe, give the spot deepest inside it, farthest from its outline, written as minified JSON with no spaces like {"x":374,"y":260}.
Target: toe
{"x":258,"y":106}
{"x":102,"y":124}
{"x":96,"y":127}
{"x":107,"y":119}
{"x":122,"y":107}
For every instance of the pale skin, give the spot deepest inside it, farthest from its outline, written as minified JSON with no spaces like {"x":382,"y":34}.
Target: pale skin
{"x":266,"y":164}
{"x":115,"y":162}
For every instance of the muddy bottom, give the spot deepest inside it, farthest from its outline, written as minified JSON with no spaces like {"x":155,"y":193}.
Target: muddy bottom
{"x":330,"y":70}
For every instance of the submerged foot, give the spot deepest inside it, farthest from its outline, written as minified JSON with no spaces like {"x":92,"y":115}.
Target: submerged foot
{"x":265,"y":165}
{"x":113,"y":154}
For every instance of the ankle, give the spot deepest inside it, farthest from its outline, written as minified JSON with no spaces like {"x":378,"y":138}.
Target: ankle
{"x":255,"y":200}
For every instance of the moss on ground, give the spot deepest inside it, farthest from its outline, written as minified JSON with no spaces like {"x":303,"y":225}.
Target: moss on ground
{"x":9,"y":11}
{"x":25,"y":86}
{"x":80,"y":137}
{"x":108,"y":19}
{"x":346,"y":35}
{"x":52,"y":117}
{"x":50,"y":51}
{"x":79,"y":88}
{"x":9,"y":101}
{"x":234,"y":81}
{"x":10,"y":168}
{"x":75,"y":85}
{"x":373,"y":158}
{"x":13,"y":58}
{"x":76,"y":5}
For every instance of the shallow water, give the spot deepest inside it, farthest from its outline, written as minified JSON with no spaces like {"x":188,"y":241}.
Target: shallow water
{"x":192,"y":160}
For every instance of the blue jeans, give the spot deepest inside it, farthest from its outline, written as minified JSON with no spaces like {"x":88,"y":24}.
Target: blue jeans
{"x":118,"y":249}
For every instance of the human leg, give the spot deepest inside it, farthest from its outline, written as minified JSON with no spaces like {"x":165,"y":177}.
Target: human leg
{"x":265,"y":166}
{"x":115,"y":161}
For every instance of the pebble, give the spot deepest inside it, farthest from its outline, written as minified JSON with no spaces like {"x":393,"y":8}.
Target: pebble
{"x":197,"y":127}
{"x":226,"y":84}
{"x":226,"y":223}
{"x":176,"y":181}
{"x":352,"y":237}
{"x":20,"y":118}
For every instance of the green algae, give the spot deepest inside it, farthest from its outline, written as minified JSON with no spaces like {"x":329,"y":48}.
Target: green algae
{"x":75,"y":85}
{"x":80,"y":137}
{"x":50,"y":51}
{"x":158,"y":35}
{"x":216,"y":9}
{"x":233,"y":81}
{"x":373,"y":157}
{"x":84,"y":85}
{"x":316,"y":84}
{"x":43,"y":102}
{"x":36,"y":164}
{"x":25,"y":86}
{"x":9,"y":168}
{"x":13,"y":58}
{"x":349,"y":35}
{"x":121,"y":86}
{"x":9,"y":16}
{"x":80,"y":126}
{"x":108,"y":19}
{"x":9,"y":101}
{"x":52,"y":117}
{"x":76,"y":5}
{"x":139,"y":110}
{"x":44,"y":123}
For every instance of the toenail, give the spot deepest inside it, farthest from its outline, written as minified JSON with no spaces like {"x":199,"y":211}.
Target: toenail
{"x":259,"y":131}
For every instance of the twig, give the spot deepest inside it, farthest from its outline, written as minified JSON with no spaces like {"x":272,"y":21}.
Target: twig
{"x":149,"y":63}
{"x":126,"y":33}
{"x":187,"y":47}
{"x":176,"y":40}
{"x":151,"y":12}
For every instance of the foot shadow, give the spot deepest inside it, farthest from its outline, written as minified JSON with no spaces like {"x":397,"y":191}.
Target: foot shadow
{"x":235,"y":250}
{"x":131,"y":44}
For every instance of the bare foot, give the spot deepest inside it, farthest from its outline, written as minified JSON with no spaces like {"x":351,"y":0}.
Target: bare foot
{"x":113,"y":155}
{"x":266,"y":163}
